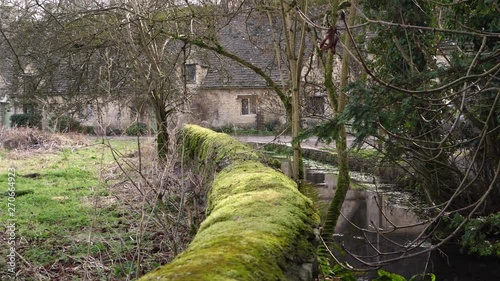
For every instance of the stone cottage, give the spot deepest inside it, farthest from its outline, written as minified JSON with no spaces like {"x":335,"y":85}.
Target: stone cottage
{"x":229,"y":94}
{"x":223,"y":92}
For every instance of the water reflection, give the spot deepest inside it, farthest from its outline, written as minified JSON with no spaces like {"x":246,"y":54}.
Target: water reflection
{"x":367,"y":209}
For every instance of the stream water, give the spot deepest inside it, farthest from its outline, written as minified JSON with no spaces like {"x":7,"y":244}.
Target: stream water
{"x":376,"y":206}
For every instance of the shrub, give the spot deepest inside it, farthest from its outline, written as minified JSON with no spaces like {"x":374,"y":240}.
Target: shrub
{"x":67,"y":124}
{"x":479,"y":235}
{"x":26,"y":120}
{"x":272,"y":125}
{"x":88,"y":130}
{"x":137,"y":129}
{"x":226,"y":129}
{"x":113,"y":132}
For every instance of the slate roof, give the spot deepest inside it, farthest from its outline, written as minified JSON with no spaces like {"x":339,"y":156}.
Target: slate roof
{"x":251,"y":40}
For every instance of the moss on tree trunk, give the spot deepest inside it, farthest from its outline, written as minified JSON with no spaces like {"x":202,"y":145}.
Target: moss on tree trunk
{"x":339,"y":99}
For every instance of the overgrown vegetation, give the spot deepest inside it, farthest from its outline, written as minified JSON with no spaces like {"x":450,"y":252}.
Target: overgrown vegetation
{"x":387,"y":276}
{"x":480,"y":236}
{"x":65,"y":124}
{"x":25,"y":120}
{"x":33,"y":140}
{"x":137,"y":129}
{"x":82,"y":210}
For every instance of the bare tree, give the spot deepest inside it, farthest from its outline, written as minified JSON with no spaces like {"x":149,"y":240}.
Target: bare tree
{"x":155,"y":59}
{"x":92,"y":51}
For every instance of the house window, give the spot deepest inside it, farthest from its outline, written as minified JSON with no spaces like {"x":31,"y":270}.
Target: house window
{"x":29,"y":109}
{"x":134,"y":112}
{"x":316,"y":105}
{"x":29,"y":84}
{"x":85,"y":111}
{"x":190,"y":73}
{"x":248,"y":105}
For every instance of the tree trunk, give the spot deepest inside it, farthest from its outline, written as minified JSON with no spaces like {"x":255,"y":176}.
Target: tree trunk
{"x":295,"y":52}
{"x":343,"y":180}
{"x":295,"y":79}
{"x":162,"y":135}
{"x":297,"y":169}
{"x":45,"y":118}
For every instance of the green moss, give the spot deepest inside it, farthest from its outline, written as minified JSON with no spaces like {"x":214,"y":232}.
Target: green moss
{"x":257,"y":220}
{"x":206,"y":145}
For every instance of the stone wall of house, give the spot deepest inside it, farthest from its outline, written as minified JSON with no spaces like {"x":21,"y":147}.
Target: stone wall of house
{"x":224,"y":107}
{"x":2,"y":114}
{"x":110,"y":115}
{"x":113,"y":115}
{"x":5,"y":113}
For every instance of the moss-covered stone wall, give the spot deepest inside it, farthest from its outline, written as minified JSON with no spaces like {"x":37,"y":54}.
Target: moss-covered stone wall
{"x":258,"y":226}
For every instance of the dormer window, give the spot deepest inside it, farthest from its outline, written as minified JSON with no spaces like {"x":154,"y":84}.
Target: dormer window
{"x":190,"y":73}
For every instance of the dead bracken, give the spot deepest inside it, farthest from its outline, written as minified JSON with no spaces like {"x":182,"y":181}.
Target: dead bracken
{"x":29,"y":139}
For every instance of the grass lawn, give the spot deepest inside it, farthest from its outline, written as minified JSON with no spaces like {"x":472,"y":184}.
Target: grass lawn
{"x":69,"y":223}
